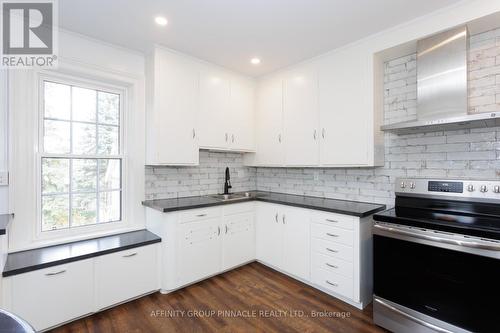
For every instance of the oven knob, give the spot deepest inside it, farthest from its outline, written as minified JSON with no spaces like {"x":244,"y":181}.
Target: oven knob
{"x":483,"y":189}
{"x":412,"y":185}
{"x":496,"y":189}
{"x":403,"y":185}
{"x":470,"y":188}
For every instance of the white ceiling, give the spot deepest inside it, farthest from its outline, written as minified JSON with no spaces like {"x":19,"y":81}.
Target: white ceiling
{"x":230,"y":32}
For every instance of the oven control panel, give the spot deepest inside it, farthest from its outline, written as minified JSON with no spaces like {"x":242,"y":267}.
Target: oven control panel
{"x":437,"y":186}
{"x":457,"y":188}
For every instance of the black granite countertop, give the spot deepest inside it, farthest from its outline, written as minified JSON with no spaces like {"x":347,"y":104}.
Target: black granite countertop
{"x":30,"y":260}
{"x":346,"y":207}
{"x":4,"y":222}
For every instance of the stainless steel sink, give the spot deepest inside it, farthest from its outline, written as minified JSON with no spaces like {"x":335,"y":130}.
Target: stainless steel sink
{"x":230,"y":197}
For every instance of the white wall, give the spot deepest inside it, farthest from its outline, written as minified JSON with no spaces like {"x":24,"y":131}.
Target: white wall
{"x":87,"y":59}
{"x":4,"y":190}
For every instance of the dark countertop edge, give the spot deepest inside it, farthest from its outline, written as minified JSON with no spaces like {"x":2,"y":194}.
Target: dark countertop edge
{"x":77,"y":258}
{"x":293,"y":204}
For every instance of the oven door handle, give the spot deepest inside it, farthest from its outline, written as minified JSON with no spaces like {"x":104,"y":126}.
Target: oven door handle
{"x":410,"y":317}
{"x":475,"y":245}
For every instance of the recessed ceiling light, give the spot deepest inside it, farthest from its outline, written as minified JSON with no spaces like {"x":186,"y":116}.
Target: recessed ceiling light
{"x":255,"y":61}
{"x":160,"y":20}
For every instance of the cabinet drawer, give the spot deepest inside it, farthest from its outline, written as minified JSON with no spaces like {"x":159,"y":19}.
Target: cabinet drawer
{"x":333,"y":234}
{"x":51,"y":296}
{"x":333,"y":282}
{"x":332,"y":249}
{"x":336,"y":220}
{"x":332,"y":264}
{"x":200,"y":214}
{"x":126,"y":274}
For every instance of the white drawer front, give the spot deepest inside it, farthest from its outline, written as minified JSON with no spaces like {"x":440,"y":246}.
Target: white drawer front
{"x":200,"y":214}
{"x":333,"y":282}
{"x":54,"y":295}
{"x":237,"y":208}
{"x":332,"y":234}
{"x":336,"y":220}
{"x":333,"y":249}
{"x":126,"y":274}
{"x":332,"y":264}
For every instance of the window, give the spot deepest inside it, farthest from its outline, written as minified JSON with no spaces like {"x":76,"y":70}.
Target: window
{"x":81,"y":161}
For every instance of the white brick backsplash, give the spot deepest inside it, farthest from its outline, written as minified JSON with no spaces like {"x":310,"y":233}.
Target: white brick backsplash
{"x":469,"y":153}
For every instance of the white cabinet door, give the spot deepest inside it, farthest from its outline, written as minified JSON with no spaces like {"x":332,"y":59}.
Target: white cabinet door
{"x":269,"y":234}
{"x":239,"y":240}
{"x":269,"y":128}
{"x":300,"y":114}
{"x":296,"y":242}
{"x":175,"y":109}
{"x":344,"y":108}
{"x":50,"y":296}
{"x":126,"y":274}
{"x":241,"y":114}
{"x":214,"y":106}
{"x":199,"y":252}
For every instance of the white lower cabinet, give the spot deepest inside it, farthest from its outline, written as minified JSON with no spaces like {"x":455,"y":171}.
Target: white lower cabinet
{"x":135,"y":269}
{"x":51,"y":296}
{"x":239,"y":239}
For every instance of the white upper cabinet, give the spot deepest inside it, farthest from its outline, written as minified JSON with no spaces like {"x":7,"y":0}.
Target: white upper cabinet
{"x":171,"y":110}
{"x":241,"y":115}
{"x":346,"y":114}
{"x":300,"y":105}
{"x":214,"y":109}
{"x":269,"y":122}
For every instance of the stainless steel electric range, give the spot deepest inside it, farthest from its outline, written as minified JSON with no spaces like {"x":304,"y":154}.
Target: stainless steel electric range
{"x":437,"y":257}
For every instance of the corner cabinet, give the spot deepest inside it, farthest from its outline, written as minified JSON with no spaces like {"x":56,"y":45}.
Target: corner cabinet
{"x":171,"y":110}
{"x":194,"y":105}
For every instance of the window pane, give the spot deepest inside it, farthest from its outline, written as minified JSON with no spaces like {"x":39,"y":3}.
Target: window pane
{"x":84,"y":140}
{"x":109,"y":174}
{"x":55,"y":212}
{"x":84,"y":104}
{"x":56,"y":137}
{"x":108,"y":108}
{"x":108,"y":140}
{"x":109,"y":206}
{"x":55,"y":175}
{"x":83,"y":209}
{"x":84,"y":175}
{"x":56,"y":100}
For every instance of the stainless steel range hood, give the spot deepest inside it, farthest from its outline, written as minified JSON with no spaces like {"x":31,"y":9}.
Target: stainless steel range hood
{"x":442,"y":100}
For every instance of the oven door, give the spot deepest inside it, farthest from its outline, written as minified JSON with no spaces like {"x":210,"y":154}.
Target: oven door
{"x":454,"y":281}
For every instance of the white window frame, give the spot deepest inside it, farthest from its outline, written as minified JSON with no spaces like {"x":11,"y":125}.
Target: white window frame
{"x":78,"y":81}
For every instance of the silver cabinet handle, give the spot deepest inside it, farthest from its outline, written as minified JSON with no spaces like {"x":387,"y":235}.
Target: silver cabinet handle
{"x":332,"y":283}
{"x":276,"y":217}
{"x":283,"y":219}
{"x":332,"y":266}
{"x":56,"y":273}
{"x":410,"y":317}
{"x":232,"y":138}
{"x":279,"y":138}
{"x":314,"y":135}
{"x":201,"y":215}
{"x":331,"y":250}
{"x":226,"y":228}
{"x":194,"y":133}
{"x":130,"y":255}
{"x":227,"y":137}
{"x":331,"y":235}
{"x":218,"y":231}
{"x":323,"y":133}
{"x":475,"y":245}
{"x":330,"y":220}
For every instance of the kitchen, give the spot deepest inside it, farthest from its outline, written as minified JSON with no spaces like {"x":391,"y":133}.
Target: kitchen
{"x":171,"y":174}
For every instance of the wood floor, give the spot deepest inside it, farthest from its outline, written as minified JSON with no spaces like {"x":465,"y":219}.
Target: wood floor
{"x":260,"y":294}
